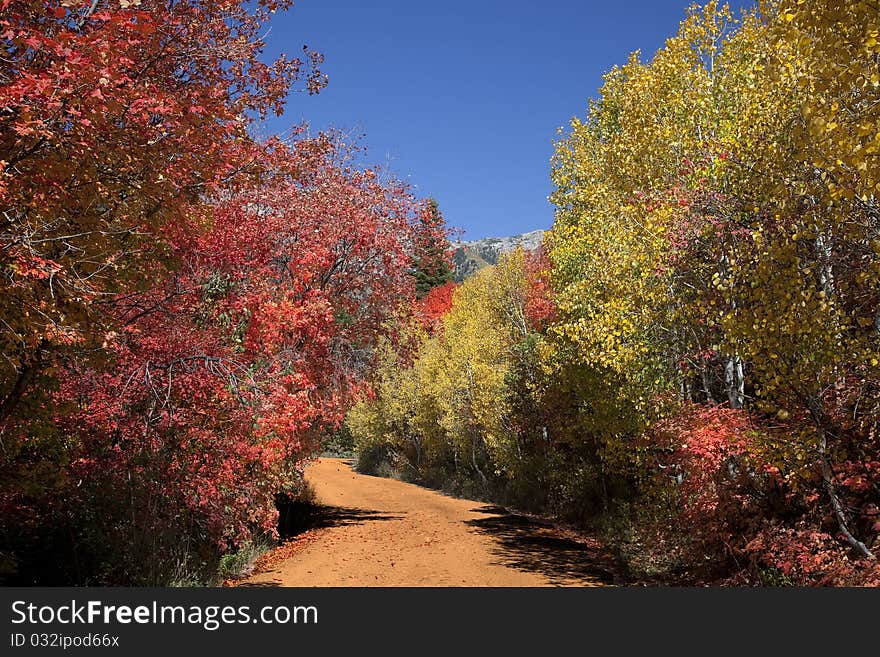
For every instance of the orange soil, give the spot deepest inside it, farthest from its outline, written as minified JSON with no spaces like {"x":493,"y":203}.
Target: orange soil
{"x":383,"y":532}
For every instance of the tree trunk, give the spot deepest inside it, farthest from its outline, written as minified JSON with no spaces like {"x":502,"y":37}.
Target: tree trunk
{"x":826,"y":271}
{"x":474,"y":461}
{"x":734,"y":381}
{"x":827,"y":480}
{"x":707,"y":388}
{"x":25,"y":375}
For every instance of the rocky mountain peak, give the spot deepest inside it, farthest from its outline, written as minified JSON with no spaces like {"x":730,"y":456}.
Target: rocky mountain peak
{"x":471,"y":256}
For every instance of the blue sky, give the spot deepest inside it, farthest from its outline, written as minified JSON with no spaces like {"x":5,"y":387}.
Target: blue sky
{"x":461,"y":98}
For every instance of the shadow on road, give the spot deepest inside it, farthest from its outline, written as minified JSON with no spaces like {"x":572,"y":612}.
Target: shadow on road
{"x":297,"y":517}
{"x":531,"y":546}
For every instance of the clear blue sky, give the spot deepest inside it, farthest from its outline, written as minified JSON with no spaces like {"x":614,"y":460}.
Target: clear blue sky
{"x":463,"y":98}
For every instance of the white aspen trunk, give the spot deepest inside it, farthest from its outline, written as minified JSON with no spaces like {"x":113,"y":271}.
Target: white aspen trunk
{"x":734,"y":380}
{"x":474,"y":461}
{"x":826,"y":273}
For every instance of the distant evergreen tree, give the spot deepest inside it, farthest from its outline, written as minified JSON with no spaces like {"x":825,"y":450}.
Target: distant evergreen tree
{"x":432,"y":265}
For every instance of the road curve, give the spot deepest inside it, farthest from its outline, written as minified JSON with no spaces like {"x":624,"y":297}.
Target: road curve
{"x":382,"y":532}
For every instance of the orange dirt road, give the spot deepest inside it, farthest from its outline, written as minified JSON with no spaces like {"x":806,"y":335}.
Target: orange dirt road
{"x":382,"y":532}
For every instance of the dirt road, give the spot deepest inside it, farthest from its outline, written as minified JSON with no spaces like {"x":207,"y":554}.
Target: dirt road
{"x":381,"y":532}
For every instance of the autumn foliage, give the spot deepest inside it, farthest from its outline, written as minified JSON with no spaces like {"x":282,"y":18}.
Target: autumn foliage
{"x":111,"y":124}
{"x":186,"y":311}
{"x":690,"y":364}
{"x":693,"y":369}
{"x":434,"y":305}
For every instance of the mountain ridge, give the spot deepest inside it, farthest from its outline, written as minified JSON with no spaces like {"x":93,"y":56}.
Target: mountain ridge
{"x":469,"y":257}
